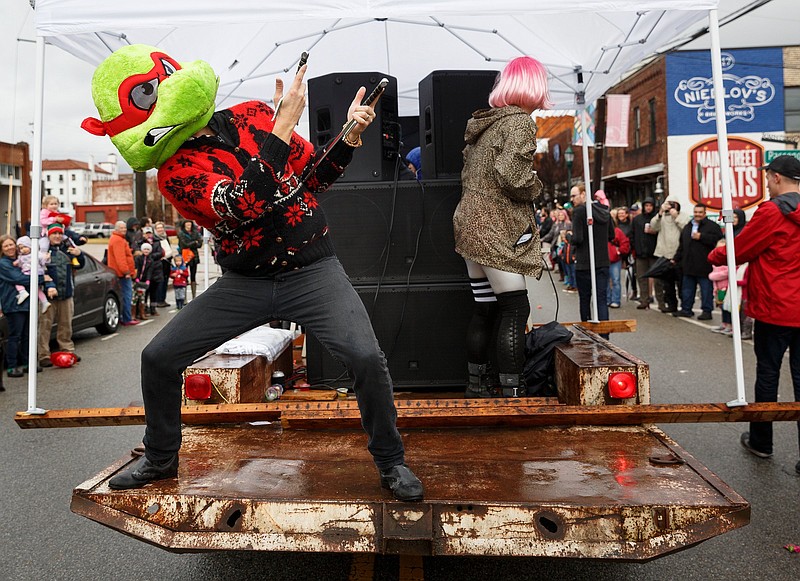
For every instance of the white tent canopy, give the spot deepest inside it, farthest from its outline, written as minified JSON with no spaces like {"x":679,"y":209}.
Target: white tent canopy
{"x":250,"y":42}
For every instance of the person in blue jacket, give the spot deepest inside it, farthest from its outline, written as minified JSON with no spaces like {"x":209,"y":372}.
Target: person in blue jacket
{"x":16,"y":312}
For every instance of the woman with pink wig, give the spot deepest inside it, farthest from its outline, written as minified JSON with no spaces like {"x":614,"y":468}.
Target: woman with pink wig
{"x":494,"y":225}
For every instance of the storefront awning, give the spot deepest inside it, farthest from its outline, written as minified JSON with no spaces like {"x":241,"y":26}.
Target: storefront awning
{"x":648,"y":169}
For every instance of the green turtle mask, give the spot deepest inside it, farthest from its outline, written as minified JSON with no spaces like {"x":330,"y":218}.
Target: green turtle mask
{"x":149,"y":104}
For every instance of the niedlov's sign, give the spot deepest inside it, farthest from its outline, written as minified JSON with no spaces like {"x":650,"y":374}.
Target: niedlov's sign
{"x":747,"y":183}
{"x":752,"y":86}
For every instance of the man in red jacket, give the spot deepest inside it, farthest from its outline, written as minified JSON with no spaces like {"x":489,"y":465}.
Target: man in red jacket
{"x":770,"y":242}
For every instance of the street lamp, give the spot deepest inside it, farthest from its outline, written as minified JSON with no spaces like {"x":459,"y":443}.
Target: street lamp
{"x":569,"y":157}
{"x":658,"y":190}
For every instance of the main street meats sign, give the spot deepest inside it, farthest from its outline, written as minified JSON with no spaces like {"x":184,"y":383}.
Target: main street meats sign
{"x":747,"y":183}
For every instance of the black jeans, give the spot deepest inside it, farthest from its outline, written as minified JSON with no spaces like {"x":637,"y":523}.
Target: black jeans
{"x":584,"y":280}
{"x":17,"y":345}
{"x":770,"y":343}
{"x":320,"y":298}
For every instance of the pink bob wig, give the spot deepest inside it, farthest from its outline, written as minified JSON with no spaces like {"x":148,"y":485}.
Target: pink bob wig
{"x":522,"y":83}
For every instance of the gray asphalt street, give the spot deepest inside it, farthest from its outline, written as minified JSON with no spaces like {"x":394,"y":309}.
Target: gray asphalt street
{"x":41,"y":539}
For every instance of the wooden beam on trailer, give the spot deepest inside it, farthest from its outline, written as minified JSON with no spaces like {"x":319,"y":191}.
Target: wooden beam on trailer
{"x":428,"y":413}
{"x":602,"y":327}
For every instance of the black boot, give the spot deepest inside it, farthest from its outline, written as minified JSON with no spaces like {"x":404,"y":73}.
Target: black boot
{"x":480,"y":381}
{"x":402,"y":482}
{"x":514,"y":311}
{"x":512,"y":385}
{"x":144,"y":471}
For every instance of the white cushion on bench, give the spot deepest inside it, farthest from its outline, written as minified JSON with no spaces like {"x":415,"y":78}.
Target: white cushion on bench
{"x":264,"y":340}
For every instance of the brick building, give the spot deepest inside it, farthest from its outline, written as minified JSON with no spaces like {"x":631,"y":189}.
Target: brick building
{"x":15,"y":186}
{"x":672,"y":148}
{"x":672,"y":129}
{"x":112,"y":200}
{"x":631,"y":173}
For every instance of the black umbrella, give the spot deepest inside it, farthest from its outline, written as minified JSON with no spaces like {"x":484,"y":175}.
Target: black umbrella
{"x":662,"y":268}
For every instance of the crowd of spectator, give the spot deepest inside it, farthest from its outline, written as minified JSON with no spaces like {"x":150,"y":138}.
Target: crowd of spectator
{"x":643,"y":253}
{"x":143,"y":258}
{"x":138,"y":251}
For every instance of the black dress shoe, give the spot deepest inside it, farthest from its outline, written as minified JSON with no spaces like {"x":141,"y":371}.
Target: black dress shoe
{"x":745,"y":441}
{"x":144,"y":471}
{"x":683,"y":314}
{"x":704,"y":316}
{"x":402,"y":482}
{"x":45,"y":363}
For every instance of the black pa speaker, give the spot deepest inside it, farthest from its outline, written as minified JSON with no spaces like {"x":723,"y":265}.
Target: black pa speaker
{"x":447,"y":100}
{"x":395,"y":232}
{"x":421,"y":328}
{"x":329,"y":97}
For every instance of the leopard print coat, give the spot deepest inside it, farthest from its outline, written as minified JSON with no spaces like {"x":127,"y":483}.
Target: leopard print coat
{"x":494,"y":223}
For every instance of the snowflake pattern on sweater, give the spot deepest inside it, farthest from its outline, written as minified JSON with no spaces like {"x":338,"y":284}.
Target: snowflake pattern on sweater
{"x":244,"y":186}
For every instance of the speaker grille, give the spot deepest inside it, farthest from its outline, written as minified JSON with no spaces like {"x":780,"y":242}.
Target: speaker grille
{"x":360,"y":218}
{"x":421,"y":328}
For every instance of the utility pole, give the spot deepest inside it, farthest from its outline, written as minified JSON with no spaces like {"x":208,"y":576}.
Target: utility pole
{"x":140,"y":194}
{"x":599,"y":139}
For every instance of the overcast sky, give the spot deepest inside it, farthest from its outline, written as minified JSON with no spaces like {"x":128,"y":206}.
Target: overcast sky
{"x":67,"y":80}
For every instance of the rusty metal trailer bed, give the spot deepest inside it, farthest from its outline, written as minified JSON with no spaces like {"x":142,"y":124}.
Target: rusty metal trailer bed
{"x":612,"y":493}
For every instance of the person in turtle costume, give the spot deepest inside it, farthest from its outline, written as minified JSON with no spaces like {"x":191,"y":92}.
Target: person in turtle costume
{"x":245,"y":175}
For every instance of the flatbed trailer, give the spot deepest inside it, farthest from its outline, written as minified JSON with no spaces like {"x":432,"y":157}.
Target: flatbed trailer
{"x":626,"y":492}
{"x":586,"y":475}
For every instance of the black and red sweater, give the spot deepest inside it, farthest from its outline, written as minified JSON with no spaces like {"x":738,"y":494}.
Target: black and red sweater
{"x":241,"y":185}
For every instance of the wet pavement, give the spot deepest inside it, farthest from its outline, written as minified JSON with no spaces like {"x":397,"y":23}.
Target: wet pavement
{"x":42,"y":539}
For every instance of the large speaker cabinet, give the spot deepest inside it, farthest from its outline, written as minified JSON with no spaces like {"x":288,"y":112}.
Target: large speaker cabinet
{"x":412,"y":222}
{"x":329,"y":97}
{"x":447,"y":100}
{"x":421,"y":328}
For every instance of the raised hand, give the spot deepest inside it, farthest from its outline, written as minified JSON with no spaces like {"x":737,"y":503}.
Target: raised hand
{"x":363,"y":115}
{"x":291,"y":104}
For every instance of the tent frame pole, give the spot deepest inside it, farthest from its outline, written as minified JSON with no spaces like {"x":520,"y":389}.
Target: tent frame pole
{"x":589,"y":218}
{"x":36,"y":228}
{"x":727,"y":202}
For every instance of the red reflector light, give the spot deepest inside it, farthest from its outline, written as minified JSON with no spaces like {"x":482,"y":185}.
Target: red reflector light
{"x":197,"y":386}
{"x":622,"y":385}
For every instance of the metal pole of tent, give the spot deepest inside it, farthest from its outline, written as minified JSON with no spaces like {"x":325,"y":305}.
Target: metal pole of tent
{"x":727,"y":203}
{"x":206,"y":254}
{"x":36,"y":228}
{"x":589,"y":217}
